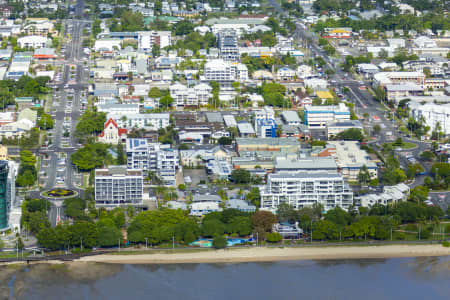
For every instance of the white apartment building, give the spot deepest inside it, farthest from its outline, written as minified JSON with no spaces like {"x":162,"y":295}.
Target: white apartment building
{"x":227,"y":43}
{"x":225,"y":72}
{"x":264,"y":113}
{"x":432,"y":114}
{"x":146,"y":39}
{"x":146,"y":121}
{"x":156,"y":157}
{"x":302,"y":189}
{"x":319,"y":116}
{"x":33,"y":41}
{"x":118,"y":186}
{"x":41,"y":28}
{"x":195,"y":96}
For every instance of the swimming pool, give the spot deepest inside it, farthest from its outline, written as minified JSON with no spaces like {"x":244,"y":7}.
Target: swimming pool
{"x":230,"y":242}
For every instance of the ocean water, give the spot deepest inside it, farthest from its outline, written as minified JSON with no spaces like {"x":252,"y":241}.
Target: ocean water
{"x":405,"y":278}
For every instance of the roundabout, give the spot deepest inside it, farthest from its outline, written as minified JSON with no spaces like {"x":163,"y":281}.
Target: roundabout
{"x":59,"y":193}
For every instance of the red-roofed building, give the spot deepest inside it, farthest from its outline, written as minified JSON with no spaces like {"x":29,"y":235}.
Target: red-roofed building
{"x":112,"y":134}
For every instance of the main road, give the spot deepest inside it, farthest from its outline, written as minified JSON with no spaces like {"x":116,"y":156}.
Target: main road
{"x":60,"y":171}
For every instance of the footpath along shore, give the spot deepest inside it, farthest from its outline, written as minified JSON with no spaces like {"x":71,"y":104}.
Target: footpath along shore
{"x":273,"y":254}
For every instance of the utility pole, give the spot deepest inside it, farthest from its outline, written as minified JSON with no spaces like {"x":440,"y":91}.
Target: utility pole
{"x":311,"y":231}
{"x":119,"y":244}
{"x":145,"y":243}
{"x":391,"y":233}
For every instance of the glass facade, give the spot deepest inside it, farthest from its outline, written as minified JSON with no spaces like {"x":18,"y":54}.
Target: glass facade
{"x":4,"y":194}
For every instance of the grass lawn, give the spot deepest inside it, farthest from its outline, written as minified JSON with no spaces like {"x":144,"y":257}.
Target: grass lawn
{"x":405,"y":145}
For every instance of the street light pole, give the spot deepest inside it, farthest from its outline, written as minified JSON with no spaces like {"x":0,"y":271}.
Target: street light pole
{"x":145,"y":243}
{"x":119,"y":244}
{"x":311,"y":230}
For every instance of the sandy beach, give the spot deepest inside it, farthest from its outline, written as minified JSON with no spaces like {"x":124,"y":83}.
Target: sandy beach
{"x":274,"y":254}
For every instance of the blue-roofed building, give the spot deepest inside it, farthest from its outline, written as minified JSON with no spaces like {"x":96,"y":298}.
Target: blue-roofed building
{"x":266,"y":128}
{"x":15,"y":75}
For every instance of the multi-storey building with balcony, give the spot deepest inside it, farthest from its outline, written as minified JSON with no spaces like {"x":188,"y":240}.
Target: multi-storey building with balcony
{"x":158,"y":158}
{"x":118,"y":186}
{"x":302,"y":189}
{"x":228,"y":45}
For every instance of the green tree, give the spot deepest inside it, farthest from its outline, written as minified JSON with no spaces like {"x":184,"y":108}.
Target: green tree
{"x":90,"y":123}
{"x":363,"y":175}
{"x":253,"y":196}
{"x":46,"y":122}
{"x":274,"y":237}
{"x":154,"y":92}
{"x":166,"y":101}
{"x":352,"y":134}
{"x":91,"y":156}
{"x":376,"y":129}
{"x":219,"y":242}
{"x":213,"y":227}
{"x":225,"y":140}
{"x":121,"y":158}
{"x":413,"y":170}
{"x":85,"y":233}
{"x":286,"y":213}
{"x":156,"y":51}
{"x":240,"y":176}
{"x":241,"y":225}
{"x":109,"y":235}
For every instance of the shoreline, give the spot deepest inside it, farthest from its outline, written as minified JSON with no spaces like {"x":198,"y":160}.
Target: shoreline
{"x":273,"y":254}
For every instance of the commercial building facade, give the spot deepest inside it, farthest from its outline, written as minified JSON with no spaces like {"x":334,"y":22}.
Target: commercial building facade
{"x":319,"y":116}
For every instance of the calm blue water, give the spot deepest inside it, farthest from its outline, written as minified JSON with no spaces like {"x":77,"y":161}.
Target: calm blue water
{"x":409,"y":278}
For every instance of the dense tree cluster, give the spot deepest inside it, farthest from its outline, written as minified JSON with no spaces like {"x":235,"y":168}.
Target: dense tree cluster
{"x":91,"y":156}
{"x":195,"y":41}
{"x":256,"y":63}
{"x":352,"y":134}
{"x":273,"y":94}
{"x":433,"y":18}
{"x":24,"y":87}
{"x":129,"y":21}
{"x":27,"y":170}
{"x":369,"y":223}
{"x":34,"y":215}
{"x":106,"y":232}
{"x":161,"y":226}
{"x":90,"y":123}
